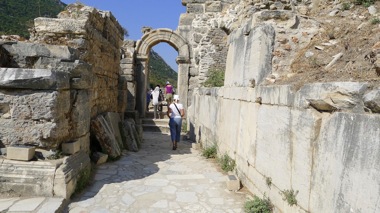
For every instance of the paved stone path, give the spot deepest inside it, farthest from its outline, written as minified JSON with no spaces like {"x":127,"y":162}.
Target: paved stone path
{"x":158,"y":179}
{"x":31,"y":204}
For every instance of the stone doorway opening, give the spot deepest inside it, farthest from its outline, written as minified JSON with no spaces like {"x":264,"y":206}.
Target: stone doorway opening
{"x":143,"y":47}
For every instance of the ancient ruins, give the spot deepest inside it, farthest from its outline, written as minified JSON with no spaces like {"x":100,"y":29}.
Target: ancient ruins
{"x":76,"y":81}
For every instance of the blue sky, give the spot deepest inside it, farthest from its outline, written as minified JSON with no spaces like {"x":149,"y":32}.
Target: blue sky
{"x":134,"y":14}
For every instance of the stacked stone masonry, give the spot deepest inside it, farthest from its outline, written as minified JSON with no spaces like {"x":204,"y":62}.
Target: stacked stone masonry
{"x":98,"y":37}
{"x":206,"y":25}
{"x":51,"y":87}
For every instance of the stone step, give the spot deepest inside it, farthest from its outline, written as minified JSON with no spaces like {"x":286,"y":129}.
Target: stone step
{"x":162,"y":115}
{"x":158,"y":122}
{"x":154,"y":128}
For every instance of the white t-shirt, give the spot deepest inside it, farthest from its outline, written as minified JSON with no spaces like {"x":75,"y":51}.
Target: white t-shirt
{"x":155,"y":94}
{"x":175,"y":113}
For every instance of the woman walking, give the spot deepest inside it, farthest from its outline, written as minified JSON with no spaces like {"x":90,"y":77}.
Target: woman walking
{"x":156,"y":102}
{"x":175,"y":113}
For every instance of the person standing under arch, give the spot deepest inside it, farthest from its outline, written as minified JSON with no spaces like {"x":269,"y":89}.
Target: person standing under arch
{"x":148,"y":98}
{"x":168,"y":93}
{"x":156,"y":101}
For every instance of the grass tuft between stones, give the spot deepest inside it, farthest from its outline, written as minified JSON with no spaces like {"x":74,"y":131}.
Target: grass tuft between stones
{"x":226,"y":163}
{"x":83,"y":179}
{"x":210,"y":152}
{"x":258,"y":205}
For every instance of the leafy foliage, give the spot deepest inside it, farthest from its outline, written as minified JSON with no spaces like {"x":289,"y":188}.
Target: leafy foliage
{"x":160,"y":71}
{"x":16,"y":16}
{"x":125,"y":32}
{"x":290,"y":196}
{"x":216,"y":78}
{"x":365,"y":3}
{"x":346,"y":6}
{"x":84,"y":178}
{"x":258,"y":205}
{"x":268,"y":181}
{"x":210,"y":152}
{"x":226,"y":163}
{"x":375,"y":21}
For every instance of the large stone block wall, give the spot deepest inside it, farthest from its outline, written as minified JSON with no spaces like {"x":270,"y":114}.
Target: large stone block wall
{"x":321,"y":140}
{"x":330,"y":158}
{"x":98,"y":37}
{"x":46,"y":104}
{"x":207,"y":35}
{"x":71,"y":68}
{"x":51,"y":88}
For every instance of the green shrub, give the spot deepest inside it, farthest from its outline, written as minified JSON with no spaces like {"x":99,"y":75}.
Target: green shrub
{"x":209,"y":152}
{"x":83,"y":179}
{"x":258,"y":205}
{"x":226,"y":163}
{"x":365,"y":3}
{"x":346,"y":6}
{"x":268,"y":180}
{"x":375,"y":21}
{"x":184,"y":126}
{"x":216,"y":78}
{"x":290,"y":196}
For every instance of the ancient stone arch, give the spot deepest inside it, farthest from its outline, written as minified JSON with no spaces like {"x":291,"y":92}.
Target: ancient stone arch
{"x":148,"y":40}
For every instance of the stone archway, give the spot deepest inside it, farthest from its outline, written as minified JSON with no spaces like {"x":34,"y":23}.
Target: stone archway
{"x":148,"y":40}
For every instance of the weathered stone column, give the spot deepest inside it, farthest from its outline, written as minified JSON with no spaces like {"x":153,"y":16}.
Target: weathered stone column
{"x":127,"y":80}
{"x":141,"y":79}
{"x":183,"y":79}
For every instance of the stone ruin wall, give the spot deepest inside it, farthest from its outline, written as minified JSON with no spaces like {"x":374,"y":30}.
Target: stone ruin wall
{"x":127,"y":78}
{"x":207,"y":25}
{"x":59,"y":88}
{"x":206,"y":36}
{"x":321,"y":140}
{"x":98,"y":37}
{"x":79,"y":55}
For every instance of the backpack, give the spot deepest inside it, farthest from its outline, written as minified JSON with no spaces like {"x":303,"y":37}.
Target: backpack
{"x":160,"y":97}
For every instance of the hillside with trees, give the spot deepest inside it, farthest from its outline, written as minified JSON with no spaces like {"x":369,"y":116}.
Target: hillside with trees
{"x":16,"y":16}
{"x":160,"y":71}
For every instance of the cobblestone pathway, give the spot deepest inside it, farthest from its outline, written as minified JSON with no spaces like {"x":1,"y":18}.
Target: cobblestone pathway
{"x":158,"y":179}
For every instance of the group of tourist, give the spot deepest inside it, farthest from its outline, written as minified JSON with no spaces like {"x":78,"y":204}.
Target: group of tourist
{"x":175,"y":109}
{"x":157,"y":97}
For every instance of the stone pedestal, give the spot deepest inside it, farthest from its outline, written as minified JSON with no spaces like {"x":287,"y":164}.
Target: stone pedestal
{"x":233,"y":183}
{"x":20,"y":153}
{"x":71,"y":147}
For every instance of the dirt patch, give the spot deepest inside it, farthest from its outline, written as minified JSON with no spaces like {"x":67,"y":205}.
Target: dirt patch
{"x":351,"y":34}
